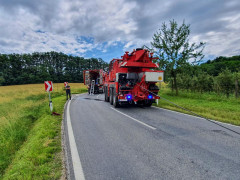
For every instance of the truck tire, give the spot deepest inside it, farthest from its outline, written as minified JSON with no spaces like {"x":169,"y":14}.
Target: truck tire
{"x":106,"y":94}
{"x":111,"y":96}
{"x":148,"y":103}
{"x":115,"y":99}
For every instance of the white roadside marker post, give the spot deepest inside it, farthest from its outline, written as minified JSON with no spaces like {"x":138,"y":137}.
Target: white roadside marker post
{"x":50,"y":102}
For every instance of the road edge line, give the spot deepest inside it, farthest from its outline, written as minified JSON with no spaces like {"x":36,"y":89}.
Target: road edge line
{"x":66,"y":169}
{"x":151,"y":127}
{"x":77,"y":167}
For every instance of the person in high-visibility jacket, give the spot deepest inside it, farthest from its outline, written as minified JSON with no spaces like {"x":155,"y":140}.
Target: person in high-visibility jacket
{"x":68,"y":91}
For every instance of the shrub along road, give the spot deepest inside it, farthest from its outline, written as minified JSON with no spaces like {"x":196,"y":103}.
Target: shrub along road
{"x":146,"y":143}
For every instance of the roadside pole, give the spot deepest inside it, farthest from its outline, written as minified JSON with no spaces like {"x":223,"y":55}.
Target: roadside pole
{"x":50,"y":102}
{"x":49,"y":88}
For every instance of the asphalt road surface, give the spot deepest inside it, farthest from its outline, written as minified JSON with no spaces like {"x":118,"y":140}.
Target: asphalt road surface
{"x":145,"y":143}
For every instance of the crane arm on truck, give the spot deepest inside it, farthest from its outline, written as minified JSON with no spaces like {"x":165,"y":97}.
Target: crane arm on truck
{"x":126,"y":77}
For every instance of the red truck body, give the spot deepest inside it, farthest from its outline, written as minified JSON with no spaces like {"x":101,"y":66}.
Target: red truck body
{"x":132,"y":79}
{"x":94,"y":75}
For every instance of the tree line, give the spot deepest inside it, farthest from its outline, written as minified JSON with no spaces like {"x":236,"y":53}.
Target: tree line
{"x":42,"y":66}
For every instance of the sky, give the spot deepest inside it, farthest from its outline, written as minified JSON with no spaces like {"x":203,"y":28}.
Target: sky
{"x":107,"y":28}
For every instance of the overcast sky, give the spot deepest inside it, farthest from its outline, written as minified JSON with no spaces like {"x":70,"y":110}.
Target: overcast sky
{"x":106,"y":28}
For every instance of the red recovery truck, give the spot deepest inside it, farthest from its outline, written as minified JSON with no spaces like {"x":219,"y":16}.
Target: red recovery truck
{"x":132,"y":79}
{"x":94,"y":80}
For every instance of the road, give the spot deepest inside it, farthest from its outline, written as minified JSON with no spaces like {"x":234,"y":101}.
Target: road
{"x":146,"y":143}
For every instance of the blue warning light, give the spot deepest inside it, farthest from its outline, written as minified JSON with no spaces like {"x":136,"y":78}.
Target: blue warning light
{"x":129,"y":97}
{"x":150,"y":96}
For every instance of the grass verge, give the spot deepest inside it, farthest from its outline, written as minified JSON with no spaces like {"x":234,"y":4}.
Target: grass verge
{"x":212,"y":106}
{"x":39,"y":156}
{"x":30,"y":139}
{"x":14,"y":132}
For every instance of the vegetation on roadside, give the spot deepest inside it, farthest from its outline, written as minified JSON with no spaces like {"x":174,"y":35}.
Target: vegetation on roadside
{"x":198,"y":81}
{"x":30,"y":139}
{"x":210,"y":105}
{"x":40,"y":155}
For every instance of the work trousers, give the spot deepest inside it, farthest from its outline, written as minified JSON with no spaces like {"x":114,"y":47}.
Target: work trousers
{"x":68,"y":93}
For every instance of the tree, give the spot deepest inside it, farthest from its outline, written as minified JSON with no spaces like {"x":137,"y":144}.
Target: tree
{"x":1,"y":80}
{"x":172,"y":46}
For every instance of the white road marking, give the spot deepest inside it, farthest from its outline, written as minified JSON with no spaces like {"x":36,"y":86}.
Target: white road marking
{"x":135,"y":119}
{"x":196,"y":116}
{"x":77,"y":167}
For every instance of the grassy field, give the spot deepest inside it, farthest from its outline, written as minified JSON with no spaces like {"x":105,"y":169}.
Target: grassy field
{"x":30,"y":137}
{"x":213,"y":106}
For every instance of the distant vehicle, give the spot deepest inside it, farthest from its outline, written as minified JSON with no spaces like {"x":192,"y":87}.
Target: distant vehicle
{"x":94,"y":80}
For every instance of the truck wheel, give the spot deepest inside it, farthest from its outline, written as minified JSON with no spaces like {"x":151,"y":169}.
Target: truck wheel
{"x":111,"y":96}
{"x":115,"y":99}
{"x":106,"y":94}
{"x":148,"y":103}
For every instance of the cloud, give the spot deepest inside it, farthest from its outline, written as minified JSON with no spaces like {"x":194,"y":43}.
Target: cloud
{"x":82,"y":27}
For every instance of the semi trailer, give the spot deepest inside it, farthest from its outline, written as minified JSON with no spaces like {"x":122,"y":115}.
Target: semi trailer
{"x":93,"y":79}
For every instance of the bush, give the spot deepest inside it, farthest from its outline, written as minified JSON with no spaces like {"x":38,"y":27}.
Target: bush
{"x":225,"y":79}
{"x":226,"y":82}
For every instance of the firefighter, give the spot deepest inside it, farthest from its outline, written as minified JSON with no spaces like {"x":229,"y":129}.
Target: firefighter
{"x":68,"y":91}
